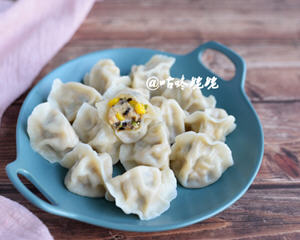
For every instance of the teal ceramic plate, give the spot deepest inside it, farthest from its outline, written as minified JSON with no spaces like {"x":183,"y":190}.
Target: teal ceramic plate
{"x":191,"y":205}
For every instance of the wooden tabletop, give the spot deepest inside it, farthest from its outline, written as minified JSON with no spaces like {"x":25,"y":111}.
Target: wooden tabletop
{"x":267,"y":35}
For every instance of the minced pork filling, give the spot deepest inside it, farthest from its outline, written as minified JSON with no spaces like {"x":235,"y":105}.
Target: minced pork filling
{"x":125,"y":113}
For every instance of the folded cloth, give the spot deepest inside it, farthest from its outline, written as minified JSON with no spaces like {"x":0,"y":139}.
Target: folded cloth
{"x":17,"y":223}
{"x":5,"y":4}
{"x":32,"y":32}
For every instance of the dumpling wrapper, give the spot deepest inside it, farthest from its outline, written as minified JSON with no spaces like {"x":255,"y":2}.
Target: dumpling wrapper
{"x":215,"y":122}
{"x":105,"y":74}
{"x":89,"y":172}
{"x":50,"y":133}
{"x":172,"y":114}
{"x":145,"y":191}
{"x":97,"y":133}
{"x":190,"y":99}
{"x":197,"y":161}
{"x":152,"y":150}
{"x":68,"y":97}
{"x":158,"y":66}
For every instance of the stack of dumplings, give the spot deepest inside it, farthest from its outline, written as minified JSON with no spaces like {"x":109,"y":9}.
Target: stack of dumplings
{"x":157,"y":136}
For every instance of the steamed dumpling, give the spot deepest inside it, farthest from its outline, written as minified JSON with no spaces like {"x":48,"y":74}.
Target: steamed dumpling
{"x":87,"y":123}
{"x":197,"y":161}
{"x":189,"y":99}
{"x":68,"y":97}
{"x":145,"y":191}
{"x":50,"y":133}
{"x":77,"y":153}
{"x":158,"y":66}
{"x":93,"y":130}
{"x":89,"y":172}
{"x":128,"y":113}
{"x":215,"y":122}
{"x":152,"y":150}
{"x":172,"y":115}
{"x":105,"y":74}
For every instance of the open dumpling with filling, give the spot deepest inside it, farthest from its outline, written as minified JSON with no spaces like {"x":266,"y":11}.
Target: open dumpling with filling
{"x":50,"y":133}
{"x":128,"y":113}
{"x":93,"y":130}
{"x":172,"y":115}
{"x":215,"y":122}
{"x":198,"y":161}
{"x":152,"y":150}
{"x":105,"y":74}
{"x":68,"y":97}
{"x":89,"y":171}
{"x":158,"y":66}
{"x":145,"y":191}
{"x":190,"y":99}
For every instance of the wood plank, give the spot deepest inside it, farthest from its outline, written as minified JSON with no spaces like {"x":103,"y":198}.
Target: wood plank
{"x":259,"y":214}
{"x":229,"y":21}
{"x":258,"y":54}
{"x":282,"y":142}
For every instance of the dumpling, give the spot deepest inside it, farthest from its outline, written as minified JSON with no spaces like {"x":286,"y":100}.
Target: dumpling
{"x":87,"y":123}
{"x":172,"y":115}
{"x":158,"y":66}
{"x":129,"y":114}
{"x":145,"y":191}
{"x":50,"y":133}
{"x":215,"y":122}
{"x":112,"y":91}
{"x":89,"y":173}
{"x":152,"y":150}
{"x":189,"y":99}
{"x":93,"y":130}
{"x":197,"y":161}
{"x":68,"y":97}
{"x":77,"y":153}
{"x":104,"y":74}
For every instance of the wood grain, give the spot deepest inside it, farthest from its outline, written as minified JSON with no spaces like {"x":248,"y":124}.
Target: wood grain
{"x":267,"y":35}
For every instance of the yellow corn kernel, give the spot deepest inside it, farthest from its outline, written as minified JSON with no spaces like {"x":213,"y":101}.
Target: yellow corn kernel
{"x":133,"y":103}
{"x":140,"y":108}
{"x":120,"y":116}
{"x":113,"y":101}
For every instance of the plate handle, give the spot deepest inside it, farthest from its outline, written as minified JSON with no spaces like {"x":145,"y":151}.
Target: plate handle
{"x":237,"y":60}
{"x":12,"y":170}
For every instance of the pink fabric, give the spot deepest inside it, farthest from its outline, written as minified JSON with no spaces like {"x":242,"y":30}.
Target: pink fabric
{"x":17,"y":223}
{"x":31,"y":33}
{"x":5,"y":4}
